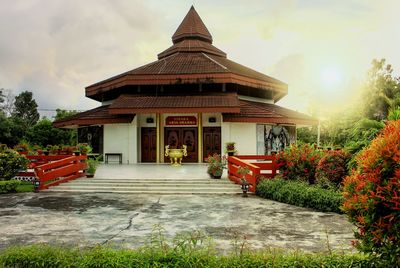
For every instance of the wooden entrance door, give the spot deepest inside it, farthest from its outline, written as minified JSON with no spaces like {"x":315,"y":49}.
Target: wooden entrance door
{"x":211,"y":141}
{"x":175,"y":137}
{"x":149,"y":144}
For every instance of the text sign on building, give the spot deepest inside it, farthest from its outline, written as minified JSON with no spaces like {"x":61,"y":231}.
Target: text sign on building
{"x":180,"y":120}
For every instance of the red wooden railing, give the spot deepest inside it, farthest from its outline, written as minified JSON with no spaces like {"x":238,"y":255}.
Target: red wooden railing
{"x":259,"y":165}
{"x":54,"y":169}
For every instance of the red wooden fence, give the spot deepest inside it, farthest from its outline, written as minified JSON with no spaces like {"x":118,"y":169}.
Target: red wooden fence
{"x":54,"y":169}
{"x":259,"y":165}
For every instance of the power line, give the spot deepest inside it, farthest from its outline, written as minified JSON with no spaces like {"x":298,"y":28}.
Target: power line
{"x":54,"y":110}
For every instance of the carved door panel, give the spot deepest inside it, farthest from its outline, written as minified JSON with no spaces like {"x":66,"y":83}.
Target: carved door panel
{"x":176,"y":137}
{"x":149,"y":144}
{"x":211,"y":141}
{"x":189,"y":138}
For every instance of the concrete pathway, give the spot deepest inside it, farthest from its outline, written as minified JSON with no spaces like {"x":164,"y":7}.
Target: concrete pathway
{"x":128,"y":220}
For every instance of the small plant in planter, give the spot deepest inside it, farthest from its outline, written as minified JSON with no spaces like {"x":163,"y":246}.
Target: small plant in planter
{"x":37,"y":150}
{"x":68,"y":150}
{"x":84,"y":148}
{"x":54,"y":150}
{"x":230,"y":148}
{"x":92,"y":164}
{"x":216,"y":165}
{"x":22,"y":148}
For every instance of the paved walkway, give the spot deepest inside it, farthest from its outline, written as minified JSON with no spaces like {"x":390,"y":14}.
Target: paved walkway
{"x":127,"y":220}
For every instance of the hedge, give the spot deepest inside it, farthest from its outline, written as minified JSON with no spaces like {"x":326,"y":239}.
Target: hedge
{"x":9,"y":186}
{"x":300,"y":194}
{"x":54,"y":256}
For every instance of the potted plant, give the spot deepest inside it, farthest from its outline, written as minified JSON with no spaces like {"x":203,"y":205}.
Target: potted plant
{"x":230,"y":148}
{"x":37,"y":150}
{"x":216,"y":165}
{"x":84,"y":148}
{"x":54,"y":150}
{"x":22,"y":148}
{"x":92,"y":164}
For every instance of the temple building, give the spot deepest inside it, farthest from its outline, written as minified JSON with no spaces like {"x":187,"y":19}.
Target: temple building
{"x":193,"y":95}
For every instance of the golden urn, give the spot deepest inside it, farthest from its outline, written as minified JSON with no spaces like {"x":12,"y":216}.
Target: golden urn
{"x":176,"y":155}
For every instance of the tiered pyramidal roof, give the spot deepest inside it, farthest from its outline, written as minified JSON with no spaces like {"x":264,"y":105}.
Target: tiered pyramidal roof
{"x":190,"y":76}
{"x":192,"y":59}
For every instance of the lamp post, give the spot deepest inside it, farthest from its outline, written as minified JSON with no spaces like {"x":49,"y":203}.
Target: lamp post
{"x":36,"y":185}
{"x":245,"y":187}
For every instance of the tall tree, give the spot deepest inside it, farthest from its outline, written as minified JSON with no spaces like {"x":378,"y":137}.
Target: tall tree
{"x":8,"y":103}
{"x":60,"y":113}
{"x":1,"y":100}
{"x":382,"y":91}
{"x":25,"y":108}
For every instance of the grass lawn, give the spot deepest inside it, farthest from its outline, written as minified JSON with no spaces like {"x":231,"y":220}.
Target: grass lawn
{"x":25,"y":187}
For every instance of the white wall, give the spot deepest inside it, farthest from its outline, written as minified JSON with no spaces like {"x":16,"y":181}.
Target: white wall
{"x":142,"y":120}
{"x":206,"y":116}
{"x":122,"y":138}
{"x":243,"y":134}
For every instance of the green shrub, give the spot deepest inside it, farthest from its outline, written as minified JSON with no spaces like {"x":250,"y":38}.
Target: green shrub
{"x":298,"y":162}
{"x":52,"y":256}
{"x":332,"y":168}
{"x":9,"y":186}
{"x":10,"y":163}
{"x":372,"y":195}
{"x":300,"y":194}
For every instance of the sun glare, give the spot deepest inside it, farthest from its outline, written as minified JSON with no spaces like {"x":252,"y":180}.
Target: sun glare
{"x":331,"y":77}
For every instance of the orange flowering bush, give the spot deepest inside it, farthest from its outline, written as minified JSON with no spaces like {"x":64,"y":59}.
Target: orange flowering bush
{"x":372,"y":195}
{"x":332,"y":167}
{"x":298,"y":162}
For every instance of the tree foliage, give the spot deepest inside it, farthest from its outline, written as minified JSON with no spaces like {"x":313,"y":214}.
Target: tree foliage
{"x":43,"y":133}
{"x":354,"y":129}
{"x":1,"y":96}
{"x":61,"y":114}
{"x":25,"y":108}
{"x":371,"y":193}
{"x":382,"y":91}
{"x":10,"y":163}
{"x":11,"y":130}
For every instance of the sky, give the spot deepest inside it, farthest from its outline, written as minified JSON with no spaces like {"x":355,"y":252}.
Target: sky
{"x":321,"y":49}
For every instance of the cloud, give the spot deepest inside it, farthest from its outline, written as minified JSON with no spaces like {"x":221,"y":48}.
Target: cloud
{"x":58,"y":50}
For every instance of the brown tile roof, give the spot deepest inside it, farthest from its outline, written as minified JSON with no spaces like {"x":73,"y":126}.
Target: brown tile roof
{"x":192,"y":27}
{"x":173,"y":104}
{"x":192,"y":46}
{"x":268,"y":113}
{"x":191,"y":68}
{"x":191,"y":59}
{"x":96,"y":116}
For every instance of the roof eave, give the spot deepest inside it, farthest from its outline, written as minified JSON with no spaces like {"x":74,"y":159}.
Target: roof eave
{"x":271,"y":120}
{"x":170,"y":79}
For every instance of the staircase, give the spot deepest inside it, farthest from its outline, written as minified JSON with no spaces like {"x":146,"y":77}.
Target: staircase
{"x":149,"y":186}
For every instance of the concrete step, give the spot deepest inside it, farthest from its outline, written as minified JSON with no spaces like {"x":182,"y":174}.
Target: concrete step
{"x":157,"y":188}
{"x":154,"y":180}
{"x":138,"y":183}
{"x":54,"y":189}
{"x":149,"y":186}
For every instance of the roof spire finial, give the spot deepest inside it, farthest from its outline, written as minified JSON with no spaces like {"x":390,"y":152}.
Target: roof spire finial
{"x":192,"y":27}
